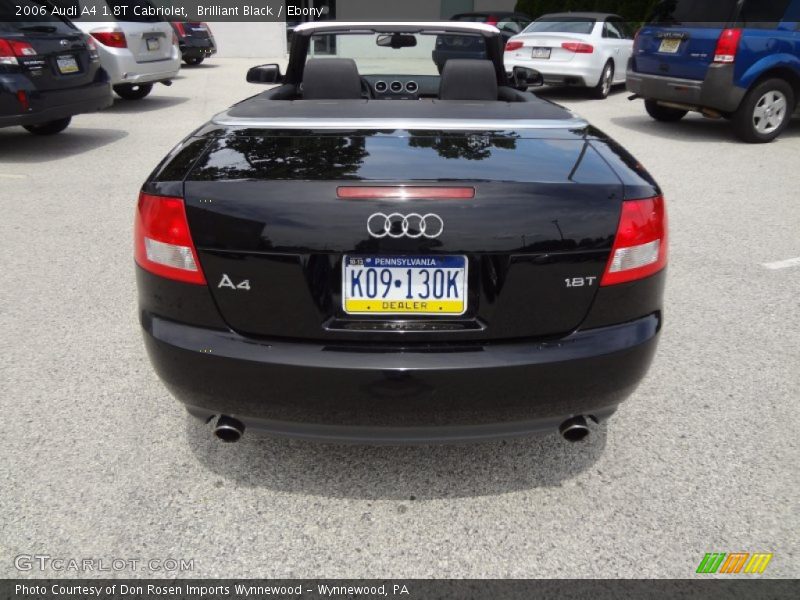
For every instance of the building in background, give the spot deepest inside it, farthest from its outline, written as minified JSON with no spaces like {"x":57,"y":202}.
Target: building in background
{"x":269,"y":40}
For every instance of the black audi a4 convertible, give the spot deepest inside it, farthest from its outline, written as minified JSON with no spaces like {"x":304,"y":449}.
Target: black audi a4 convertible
{"x":373,"y":252}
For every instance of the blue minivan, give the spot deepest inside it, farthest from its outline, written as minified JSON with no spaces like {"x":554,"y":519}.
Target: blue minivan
{"x":732,"y":59}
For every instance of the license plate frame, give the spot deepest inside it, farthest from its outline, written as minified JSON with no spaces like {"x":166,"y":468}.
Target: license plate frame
{"x":67,"y":64}
{"x":388,"y":303}
{"x":153,"y":44}
{"x":670,"y":46}
{"x":541,"y":53}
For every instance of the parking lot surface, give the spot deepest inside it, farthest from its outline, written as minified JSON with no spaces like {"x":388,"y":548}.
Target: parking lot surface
{"x":98,"y":461}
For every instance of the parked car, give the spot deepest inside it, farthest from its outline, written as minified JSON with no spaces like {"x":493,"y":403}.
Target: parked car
{"x":136,"y":50}
{"x":195,"y":41}
{"x":327,"y":261}
{"x":734,"y":59}
{"x":579,"y":49}
{"x":49,"y":71}
{"x":453,"y":46}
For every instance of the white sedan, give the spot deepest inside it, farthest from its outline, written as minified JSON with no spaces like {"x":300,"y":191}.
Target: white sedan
{"x":581,"y":49}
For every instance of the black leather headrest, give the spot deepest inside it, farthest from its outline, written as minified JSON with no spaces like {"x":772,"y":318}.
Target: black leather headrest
{"x":331,"y":79}
{"x":468,"y":79}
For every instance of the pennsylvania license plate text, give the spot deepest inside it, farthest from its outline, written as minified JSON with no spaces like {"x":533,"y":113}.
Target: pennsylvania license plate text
{"x":423,"y":285}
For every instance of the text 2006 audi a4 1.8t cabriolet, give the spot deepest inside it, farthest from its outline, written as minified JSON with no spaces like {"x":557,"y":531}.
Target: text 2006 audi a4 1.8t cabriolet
{"x":373,"y":252}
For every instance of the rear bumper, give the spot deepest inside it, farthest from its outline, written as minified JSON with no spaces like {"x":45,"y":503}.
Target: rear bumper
{"x":369,"y":394}
{"x":196,"y":49}
{"x":578,"y":71}
{"x":123,"y":68}
{"x":52,"y":105}
{"x":716,"y":92}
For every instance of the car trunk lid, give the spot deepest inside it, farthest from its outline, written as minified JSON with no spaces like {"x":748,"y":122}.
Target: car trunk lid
{"x":273,"y":227}
{"x":681,"y":38}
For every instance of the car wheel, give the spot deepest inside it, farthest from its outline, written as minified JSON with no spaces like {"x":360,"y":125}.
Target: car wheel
{"x":765,"y":112}
{"x":133,"y":92}
{"x":665,"y":114}
{"x":193,"y":60}
{"x":603,"y":87}
{"x":49,"y":128}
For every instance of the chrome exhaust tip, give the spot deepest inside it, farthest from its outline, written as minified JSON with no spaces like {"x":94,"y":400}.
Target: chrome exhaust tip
{"x":574,"y":429}
{"x":228,"y":429}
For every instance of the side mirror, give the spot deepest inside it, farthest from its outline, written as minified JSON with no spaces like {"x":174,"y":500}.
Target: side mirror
{"x":523,"y":78}
{"x":265,"y":74}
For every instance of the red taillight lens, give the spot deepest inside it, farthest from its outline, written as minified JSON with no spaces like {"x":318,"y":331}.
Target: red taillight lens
{"x":640,"y":248}
{"x":636,"y":41}
{"x":180,"y":29}
{"x":491,"y":20}
{"x":112,"y":39}
{"x":578,"y":47}
{"x":11,"y":49}
{"x":398,"y":192}
{"x":513,"y":45}
{"x":727,"y":46}
{"x":162,"y":241}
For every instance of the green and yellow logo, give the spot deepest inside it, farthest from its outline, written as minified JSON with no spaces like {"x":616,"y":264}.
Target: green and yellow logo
{"x":735,"y":562}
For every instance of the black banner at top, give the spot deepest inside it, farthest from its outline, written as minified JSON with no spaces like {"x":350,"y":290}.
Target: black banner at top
{"x":752,"y":13}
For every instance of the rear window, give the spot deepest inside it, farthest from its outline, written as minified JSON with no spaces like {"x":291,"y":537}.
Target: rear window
{"x":763,"y":14}
{"x":691,"y":12}
{"x":31,"y":22}
{"x":561,"y":25}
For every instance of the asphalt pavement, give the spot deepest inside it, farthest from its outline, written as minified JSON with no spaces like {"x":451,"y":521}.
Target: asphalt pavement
{"x":97,"y":461}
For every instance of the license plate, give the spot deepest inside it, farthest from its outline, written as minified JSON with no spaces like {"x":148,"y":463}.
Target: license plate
{"x":540,"y":52}
{"x":153,"y":44}
{"x":392,"y":285}
{"x":670,"y":46}
{"x":67,"y":64}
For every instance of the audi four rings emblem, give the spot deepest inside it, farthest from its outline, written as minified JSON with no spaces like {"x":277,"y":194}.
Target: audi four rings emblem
{"x":414,"y":225}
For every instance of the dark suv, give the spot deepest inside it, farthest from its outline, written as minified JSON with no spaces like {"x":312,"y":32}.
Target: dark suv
{"x":737,"y":59}
{"x":49,"y":70}
{"x":195,"y":40}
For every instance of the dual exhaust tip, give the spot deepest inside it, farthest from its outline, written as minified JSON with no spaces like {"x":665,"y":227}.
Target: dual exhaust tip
{"x":228,"y":429}
{"x":231,"y":430}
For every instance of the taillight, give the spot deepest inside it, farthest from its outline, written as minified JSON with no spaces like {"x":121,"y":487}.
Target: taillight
{"x":640,"y":248}
{"x":181,"y":30}
{"x":727,"y":46}
{"x":637,"y":41}
{"x":491,"y":20}
{"x":112,"y":39}
{"x":162,"y":241}
{"x":513,"y":45}
{"x":11,"y":49}
{"x":93,"y":55}
{"x":578,"y":47}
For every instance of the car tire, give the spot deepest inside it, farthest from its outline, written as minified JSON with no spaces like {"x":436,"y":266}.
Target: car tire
{"x":665,"y":114}
{"x":765,"y":112}
{"x":133,"y":92}
{"x":49,"y":128}
{"x":193,"y":60}
{"x":603,"y":87}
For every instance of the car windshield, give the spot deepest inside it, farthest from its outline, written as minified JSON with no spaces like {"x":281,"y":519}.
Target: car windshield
{"x":690,"y":12}
{"x":561,"y":25}
{"x":380,"y":54}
